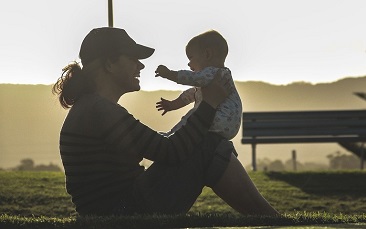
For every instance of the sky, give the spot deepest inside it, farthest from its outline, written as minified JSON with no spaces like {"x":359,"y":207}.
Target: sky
{"x":275,"y":41}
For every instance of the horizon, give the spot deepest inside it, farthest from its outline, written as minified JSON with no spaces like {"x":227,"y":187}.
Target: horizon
{"x":238,"y":81}
{"x":277,"y":42}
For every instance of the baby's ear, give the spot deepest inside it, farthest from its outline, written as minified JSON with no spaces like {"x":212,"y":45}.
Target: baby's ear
{"x":209,"y":53}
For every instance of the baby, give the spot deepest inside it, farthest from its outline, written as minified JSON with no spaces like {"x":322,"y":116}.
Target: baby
{"x":206,"y":53}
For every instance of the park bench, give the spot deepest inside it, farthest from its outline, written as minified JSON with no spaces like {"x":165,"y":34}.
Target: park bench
{"x":303,"y":127}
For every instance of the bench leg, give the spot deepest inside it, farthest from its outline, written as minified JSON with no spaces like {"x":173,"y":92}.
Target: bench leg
{"x":254,"y":157}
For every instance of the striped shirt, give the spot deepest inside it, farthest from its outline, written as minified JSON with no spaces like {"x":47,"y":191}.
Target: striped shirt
{"x":101,"y":146}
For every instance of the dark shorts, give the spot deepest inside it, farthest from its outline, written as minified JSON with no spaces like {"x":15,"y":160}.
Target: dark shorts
{"x":173,"y":189}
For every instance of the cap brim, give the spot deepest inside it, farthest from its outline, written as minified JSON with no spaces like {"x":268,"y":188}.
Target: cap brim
{"x":142,"y":52}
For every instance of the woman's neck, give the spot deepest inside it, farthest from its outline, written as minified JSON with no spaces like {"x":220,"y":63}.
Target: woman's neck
{"x":109,"y":90}
{"x":109,"y":95}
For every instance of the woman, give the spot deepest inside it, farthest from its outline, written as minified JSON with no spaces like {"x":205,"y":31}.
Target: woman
{"x":101,"y":144}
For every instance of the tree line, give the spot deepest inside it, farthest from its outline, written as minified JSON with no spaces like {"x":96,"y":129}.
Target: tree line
{"x":28,"y":164}
{"x":337,"y":161}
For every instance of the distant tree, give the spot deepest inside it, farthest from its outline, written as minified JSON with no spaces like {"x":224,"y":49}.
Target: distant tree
{"x":343,"y":161}
{"x":25,"y":165}
{"x":28,"y":165}
{"x":289,"y":165}
{"x":305,"y":166}
{"x":262,"y":164}
{"x":276,"y":165}
{"x":354,"y":147}
{"x":50,"y":167}
{"x":266,"y":164}
{"x":314,"y":166}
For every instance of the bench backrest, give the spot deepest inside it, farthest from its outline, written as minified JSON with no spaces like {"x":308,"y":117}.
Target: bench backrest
{"x":304,"y":126}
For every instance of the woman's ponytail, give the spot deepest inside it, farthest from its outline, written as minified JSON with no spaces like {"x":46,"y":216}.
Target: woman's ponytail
{"x":71,"y":85}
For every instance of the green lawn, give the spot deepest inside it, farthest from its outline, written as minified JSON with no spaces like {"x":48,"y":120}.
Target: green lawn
{"x":39,"y":200}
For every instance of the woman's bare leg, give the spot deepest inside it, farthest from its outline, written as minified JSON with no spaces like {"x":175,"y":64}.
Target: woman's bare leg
{"x":237,"y":189}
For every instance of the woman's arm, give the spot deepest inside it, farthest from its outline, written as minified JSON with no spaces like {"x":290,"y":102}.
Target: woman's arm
{"x":124,"y":133}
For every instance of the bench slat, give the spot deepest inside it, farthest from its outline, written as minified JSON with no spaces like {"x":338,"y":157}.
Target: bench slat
{"x":337,"y":123}
{"x":303,"y":131}
{"x":304,"y":114}
{"x":301,"y":140}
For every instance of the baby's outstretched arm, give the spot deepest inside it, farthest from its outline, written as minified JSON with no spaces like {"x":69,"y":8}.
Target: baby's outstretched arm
{"x":167,"y":105}
{"x":166,"y":73}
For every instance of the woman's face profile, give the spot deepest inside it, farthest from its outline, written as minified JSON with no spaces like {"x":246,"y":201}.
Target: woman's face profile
{"x":125,"y":72}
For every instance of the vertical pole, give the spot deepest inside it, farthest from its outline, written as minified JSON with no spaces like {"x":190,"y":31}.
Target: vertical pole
{"x":254,"y":160}
{"x":294,"y":164}
{"x":110,"y":13}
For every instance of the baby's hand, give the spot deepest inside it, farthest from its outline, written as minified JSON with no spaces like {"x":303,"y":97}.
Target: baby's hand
{"x":162,"y":71}
{"x":164,"y":105}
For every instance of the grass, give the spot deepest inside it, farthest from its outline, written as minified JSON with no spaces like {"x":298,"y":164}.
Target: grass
{"x":333,"y":192}
{"x":39,"y":200}
{"x":180,"y":221}
{"x":34,"y":194}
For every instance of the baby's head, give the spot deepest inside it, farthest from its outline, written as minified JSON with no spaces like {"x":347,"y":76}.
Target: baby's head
{"x":207,"y":49}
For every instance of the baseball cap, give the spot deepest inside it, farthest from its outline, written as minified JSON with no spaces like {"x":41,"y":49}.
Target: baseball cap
{"x":104,"y":41}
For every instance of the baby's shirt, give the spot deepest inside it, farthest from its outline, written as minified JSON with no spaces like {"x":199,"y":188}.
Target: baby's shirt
{"x":228,"y":115}
{"x":188,"y":96}
{"x":201,"y":78}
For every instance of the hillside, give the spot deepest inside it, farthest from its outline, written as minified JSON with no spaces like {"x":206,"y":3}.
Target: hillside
{"x":31,"y":117}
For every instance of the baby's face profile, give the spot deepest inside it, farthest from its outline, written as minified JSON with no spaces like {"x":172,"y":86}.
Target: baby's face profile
{"x":197,"y":58}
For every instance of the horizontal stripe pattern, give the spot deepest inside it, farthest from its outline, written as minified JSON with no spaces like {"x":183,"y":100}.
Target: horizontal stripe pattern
{"x":101,"y":145}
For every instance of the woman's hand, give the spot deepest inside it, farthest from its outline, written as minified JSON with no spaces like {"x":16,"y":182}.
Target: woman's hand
{"x":217,"y":91}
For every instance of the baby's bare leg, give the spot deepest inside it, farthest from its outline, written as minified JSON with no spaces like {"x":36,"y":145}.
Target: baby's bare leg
{"x":237,"y":189}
